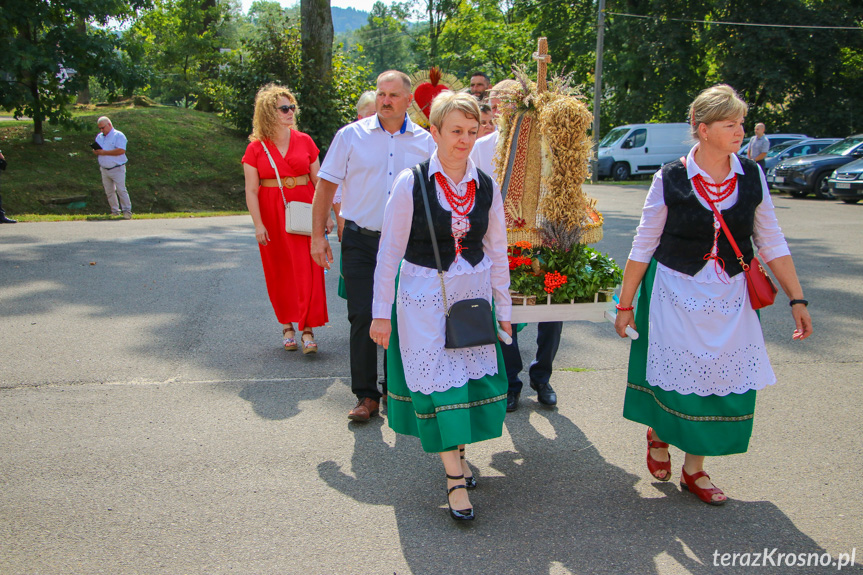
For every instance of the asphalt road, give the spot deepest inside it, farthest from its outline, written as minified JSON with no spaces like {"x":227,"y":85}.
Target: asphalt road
{"x":151,"y":423}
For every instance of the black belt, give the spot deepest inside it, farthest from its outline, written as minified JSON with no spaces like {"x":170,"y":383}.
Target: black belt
{"x":112,"y":167}
{"x":352,"y":225}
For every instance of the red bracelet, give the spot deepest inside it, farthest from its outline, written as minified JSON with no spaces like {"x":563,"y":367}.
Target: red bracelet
{"x":621,"y":308}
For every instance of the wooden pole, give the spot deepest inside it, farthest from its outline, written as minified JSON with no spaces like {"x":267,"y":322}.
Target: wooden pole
{"x":597,"y":90}
{"x":542,"y":58}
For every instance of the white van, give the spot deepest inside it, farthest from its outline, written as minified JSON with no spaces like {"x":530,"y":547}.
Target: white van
{"x":641,"y":149}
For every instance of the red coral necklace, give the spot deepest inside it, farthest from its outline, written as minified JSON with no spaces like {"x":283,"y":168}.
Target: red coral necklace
{"x":714,"y":192}
{"x":461,"y":205}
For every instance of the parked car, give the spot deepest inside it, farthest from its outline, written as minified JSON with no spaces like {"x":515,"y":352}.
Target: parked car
{"x":641,"y":148}
{"x":846,"y":183}
{"x":774,"y":139}
{"x":794,"y":148}
{"x":808,"y":174}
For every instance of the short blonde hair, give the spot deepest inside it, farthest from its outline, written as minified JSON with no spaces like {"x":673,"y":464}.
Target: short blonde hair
{"x":366,"y":99}
{"x":719,"y":102}
{"x":266,"y":119}
{"x":447,"y":102}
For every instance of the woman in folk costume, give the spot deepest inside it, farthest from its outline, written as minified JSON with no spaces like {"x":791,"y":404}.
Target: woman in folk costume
{"x":692,"y":380}
{"x":446,"y":397}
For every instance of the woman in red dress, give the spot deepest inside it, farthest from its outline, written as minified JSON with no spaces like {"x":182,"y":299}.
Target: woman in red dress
{"x":294,"y":282}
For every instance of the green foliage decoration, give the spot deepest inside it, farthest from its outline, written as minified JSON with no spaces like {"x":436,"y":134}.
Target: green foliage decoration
{"x":586,"y":271}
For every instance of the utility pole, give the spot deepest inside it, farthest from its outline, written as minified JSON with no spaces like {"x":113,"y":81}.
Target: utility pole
{"x":597,"y":90}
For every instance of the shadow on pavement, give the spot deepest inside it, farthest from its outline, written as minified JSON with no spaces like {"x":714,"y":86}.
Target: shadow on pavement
{"x":556,"y":503}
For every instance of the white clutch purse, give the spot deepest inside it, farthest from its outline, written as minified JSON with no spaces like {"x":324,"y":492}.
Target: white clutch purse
{"x":298,"y":215}
{"x":298,"y":218}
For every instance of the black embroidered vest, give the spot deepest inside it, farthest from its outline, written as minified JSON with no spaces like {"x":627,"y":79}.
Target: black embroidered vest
{"x":419,"y":250}
{"x":688,"y":232}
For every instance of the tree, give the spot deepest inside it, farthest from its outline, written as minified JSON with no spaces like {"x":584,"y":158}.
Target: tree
{"x":272,"y":53}
{"x":479,"y":36}
{"x":45,"y":42}
{"x":316,"y":91}
{"x":571,"y":31}
{"x":793,"y":79}
{"x":180,"y":40}
{"x":385,"y":38}
{"x":437,"y":11}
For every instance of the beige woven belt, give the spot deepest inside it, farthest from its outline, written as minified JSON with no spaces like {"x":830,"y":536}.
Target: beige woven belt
{"x":287,"y":181}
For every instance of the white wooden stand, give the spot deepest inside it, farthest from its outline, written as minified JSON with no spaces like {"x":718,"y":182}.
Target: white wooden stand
{"x":593,"y":312}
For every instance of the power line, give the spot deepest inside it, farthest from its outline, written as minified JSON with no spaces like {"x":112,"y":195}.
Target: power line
{"x":719,"y":22}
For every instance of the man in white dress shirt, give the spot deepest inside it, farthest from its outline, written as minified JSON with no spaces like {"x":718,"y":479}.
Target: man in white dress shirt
{"x":112,"y":164}
{"x":364,"y":158}
{"x":548,"y":332}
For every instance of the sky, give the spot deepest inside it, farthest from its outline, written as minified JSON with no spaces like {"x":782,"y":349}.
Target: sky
{"x":363,"y":5}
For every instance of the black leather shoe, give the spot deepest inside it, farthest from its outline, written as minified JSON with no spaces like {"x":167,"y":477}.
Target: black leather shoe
{"x":5,"y":220}
{"x":512,"y":401}
{"x":458,"y":514}
{"x":544,"y":393}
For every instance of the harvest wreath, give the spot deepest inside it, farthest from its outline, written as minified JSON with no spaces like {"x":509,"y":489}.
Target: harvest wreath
{"x":541,"y":162}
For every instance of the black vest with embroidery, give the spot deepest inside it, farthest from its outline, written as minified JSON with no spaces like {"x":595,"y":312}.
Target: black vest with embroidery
{"x":419,"y":250}
{"x":688,"y":233}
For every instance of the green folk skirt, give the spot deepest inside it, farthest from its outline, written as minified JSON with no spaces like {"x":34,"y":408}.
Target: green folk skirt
{"x":709,"y":425}
{"x":342,"y":291}
{"x":443,"y":420}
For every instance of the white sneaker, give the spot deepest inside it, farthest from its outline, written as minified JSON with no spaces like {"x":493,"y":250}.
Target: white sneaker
{"x":127,"y":215}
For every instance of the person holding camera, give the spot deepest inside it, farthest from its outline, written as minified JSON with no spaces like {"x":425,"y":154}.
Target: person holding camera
{"x":3,"y":218}
{"x":110,"y":149}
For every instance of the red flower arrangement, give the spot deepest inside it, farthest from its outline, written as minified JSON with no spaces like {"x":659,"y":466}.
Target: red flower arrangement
{"x":574,"y":274}
{"x":553,"y":280}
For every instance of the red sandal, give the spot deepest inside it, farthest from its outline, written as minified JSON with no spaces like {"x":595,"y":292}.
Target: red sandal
{"x":653,"y":465}
{"x":687,"y":483}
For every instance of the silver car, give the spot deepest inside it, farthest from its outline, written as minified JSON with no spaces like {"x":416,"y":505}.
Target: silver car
{"x":774,"y":139}
{"x":794,"y":148}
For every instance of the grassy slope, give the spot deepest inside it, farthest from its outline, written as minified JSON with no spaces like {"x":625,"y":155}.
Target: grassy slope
{"x":179,"y":160}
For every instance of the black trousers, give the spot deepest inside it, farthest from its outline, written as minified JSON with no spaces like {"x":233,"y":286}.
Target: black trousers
{"x":359,"y":257}
{"x":547,"y":343}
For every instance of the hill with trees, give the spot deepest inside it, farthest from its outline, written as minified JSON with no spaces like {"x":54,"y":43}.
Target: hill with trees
{"x":798,"y":63}
{"x":179,"y":160}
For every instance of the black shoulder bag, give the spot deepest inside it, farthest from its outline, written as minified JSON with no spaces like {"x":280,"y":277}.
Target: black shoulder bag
{"x":469,"y":323}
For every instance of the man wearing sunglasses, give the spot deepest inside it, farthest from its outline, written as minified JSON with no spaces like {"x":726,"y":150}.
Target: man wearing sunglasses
{"x":365,"y":157}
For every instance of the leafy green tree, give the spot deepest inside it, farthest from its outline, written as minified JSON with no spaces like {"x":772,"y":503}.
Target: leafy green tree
{"x":653,"y":67}
{"x":45,"y":39}
{"x":180,"y":41}
{"x":436,"y":12}
{"x":571,"y":31}
{"x":385,"y":39}
{"x":480,"y":36}
{"x":273,"y":54}
{"x":793,"y":79}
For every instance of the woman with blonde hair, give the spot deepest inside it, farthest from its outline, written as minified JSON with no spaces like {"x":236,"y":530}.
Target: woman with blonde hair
{"x":294,"y":282}
{"x":695,"y":370}
{"x":446,"y":397}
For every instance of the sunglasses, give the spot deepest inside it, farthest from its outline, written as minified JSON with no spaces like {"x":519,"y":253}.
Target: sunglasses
{"x":286,"y":109}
